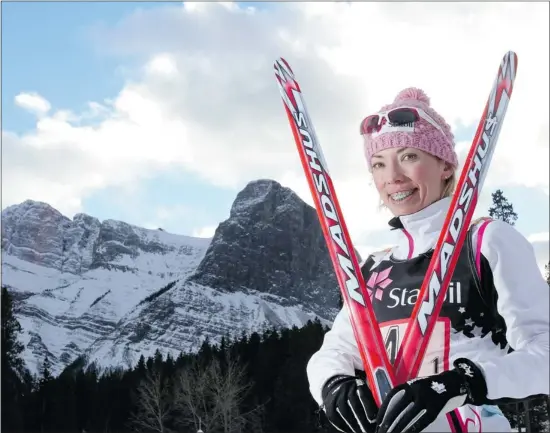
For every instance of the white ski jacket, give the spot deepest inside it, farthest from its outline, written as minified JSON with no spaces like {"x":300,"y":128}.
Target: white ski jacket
{"x":522,"y":303}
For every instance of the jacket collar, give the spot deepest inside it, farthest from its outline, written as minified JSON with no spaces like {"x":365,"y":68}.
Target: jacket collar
{"x":418,"y":232}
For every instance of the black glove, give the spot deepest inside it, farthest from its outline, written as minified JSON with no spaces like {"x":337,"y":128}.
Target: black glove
{"x":349,"y":404}
{"x":414,"y":405}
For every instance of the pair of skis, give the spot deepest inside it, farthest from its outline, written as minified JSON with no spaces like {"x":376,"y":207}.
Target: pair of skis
{"x":381,"y":375}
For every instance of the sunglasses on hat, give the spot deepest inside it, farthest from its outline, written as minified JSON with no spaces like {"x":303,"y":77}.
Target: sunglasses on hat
{"x":401,"y":116}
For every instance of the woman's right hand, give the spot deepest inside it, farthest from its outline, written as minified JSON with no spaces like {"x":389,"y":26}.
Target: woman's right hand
{"x":349,"y":405}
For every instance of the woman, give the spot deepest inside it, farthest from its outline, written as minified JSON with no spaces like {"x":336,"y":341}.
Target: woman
{"x":491,"y":341}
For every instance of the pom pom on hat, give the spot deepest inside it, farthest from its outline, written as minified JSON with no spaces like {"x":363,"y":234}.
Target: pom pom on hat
{"x":412,"y":93}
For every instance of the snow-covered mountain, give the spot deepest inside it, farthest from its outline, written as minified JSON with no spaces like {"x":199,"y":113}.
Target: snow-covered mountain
{"x":112,"y":291}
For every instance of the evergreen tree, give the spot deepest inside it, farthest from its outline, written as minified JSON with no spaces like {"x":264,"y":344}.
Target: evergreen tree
{"x":157,"y":363}
{"x":150,"y":363}
{"x":46,"y":396}
{"x":502,"y":209}
{"x":141,"y":368}
{"x":538,"y":414}
{"x":11,"y":347}
{"x":169,"y":366}
{"x":13,"y":368}
{"x":65,"y":404}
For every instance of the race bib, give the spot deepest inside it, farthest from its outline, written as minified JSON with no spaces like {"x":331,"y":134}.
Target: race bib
{"x":436,"y":359}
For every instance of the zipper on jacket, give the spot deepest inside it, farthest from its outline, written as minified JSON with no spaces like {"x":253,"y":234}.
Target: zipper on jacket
{"x":411,"y":243}
{"x":456,"y":423}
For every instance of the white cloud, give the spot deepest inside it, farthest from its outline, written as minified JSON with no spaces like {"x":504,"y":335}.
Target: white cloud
{"x":165,"y":217}
{"x":204,"y":232}
{"x":162,"y":64}
{"x":539,"y":237}
{"x":33,"y":102}
{"x":541,"y":248}
{"x":166,"y":213}
{"x":205,"y":98}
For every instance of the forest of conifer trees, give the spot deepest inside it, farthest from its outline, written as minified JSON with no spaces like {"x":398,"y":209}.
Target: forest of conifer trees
{"x":256,"y":383}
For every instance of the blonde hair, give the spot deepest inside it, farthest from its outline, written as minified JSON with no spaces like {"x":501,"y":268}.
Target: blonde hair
{"x":450,"y":185}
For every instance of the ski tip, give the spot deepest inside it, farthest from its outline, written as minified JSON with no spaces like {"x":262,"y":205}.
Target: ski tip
{"x":513,"y":55}
{"x":510,"y":62}
{"x":282,"y":62}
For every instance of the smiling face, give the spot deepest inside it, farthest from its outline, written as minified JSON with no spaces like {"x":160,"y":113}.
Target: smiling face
{"x":408,"y":179}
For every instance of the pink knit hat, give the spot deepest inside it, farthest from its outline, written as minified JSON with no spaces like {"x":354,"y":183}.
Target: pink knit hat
{"x":421,"y":134}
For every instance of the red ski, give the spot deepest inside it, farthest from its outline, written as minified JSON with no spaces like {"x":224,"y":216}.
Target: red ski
{"x":367,"y":333}
{"x":436,"y":282}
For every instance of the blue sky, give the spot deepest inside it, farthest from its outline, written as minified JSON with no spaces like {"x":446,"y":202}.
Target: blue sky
{"x":51,"y":49}
{"x":48,"y":48}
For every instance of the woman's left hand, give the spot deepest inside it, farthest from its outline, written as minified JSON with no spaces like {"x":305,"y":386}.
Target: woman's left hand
{"x":414,"y":405}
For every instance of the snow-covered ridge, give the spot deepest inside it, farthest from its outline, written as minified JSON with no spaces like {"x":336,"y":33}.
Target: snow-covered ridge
{"x":77,"y":278}
{"x":37,"y":233}
{"x":112,"y":291}
{"x":190,"y":313}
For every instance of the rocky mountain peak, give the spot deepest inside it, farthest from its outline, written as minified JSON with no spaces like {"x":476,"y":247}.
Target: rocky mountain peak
{"x":31,"y":210}
{"x":260,"y":198}
{"x":34,"y":231}
{"x":272,"y":242}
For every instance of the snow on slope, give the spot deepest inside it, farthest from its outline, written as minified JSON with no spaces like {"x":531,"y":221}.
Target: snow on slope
{"x":63,"y":312}
{"x":179,"y":320}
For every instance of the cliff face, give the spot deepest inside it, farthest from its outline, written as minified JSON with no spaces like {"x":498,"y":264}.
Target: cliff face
{"x":272,"y":242}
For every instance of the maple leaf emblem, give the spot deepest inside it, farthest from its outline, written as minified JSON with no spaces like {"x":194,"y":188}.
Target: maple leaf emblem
{"x":438,"y":387}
